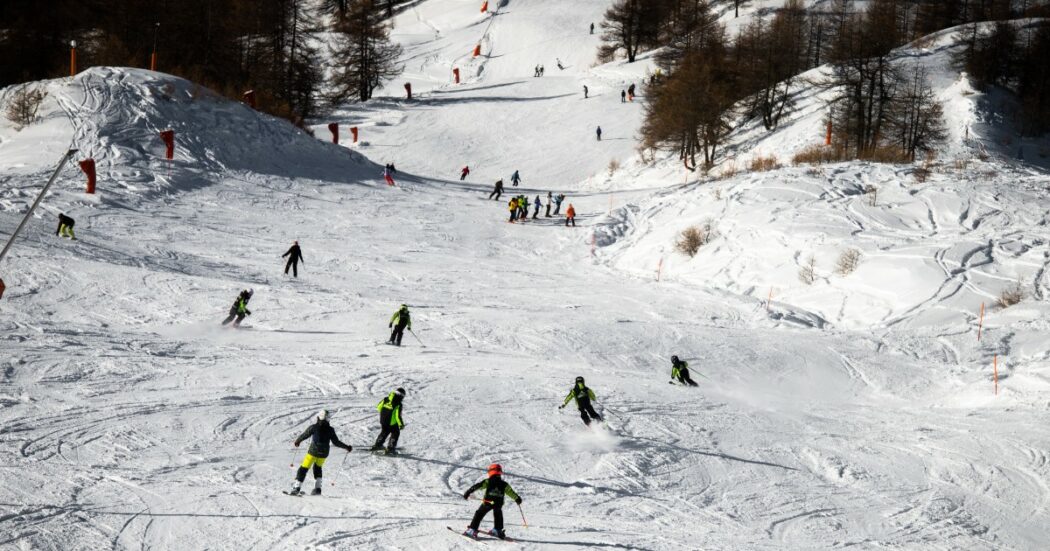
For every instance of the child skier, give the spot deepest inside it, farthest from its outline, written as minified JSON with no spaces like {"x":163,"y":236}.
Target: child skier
{"x":583,"y":397}
{"x":402,"y":319}
{"x":570,"y":216}
{"x":536,"y":211}
{"x":322,"y":437}
{"x":599,"y":132}
{"x":495,"y":490}
{"x":557,"y":203}
{"x":390,"y":421}
{"x":515,"y":179}
{"x":550,"y":200}
{"x":513,"y":207}
{"x":463,"y":173}
{"x":239,"y":308}
{"x":294,"y":254}
{"x":65,"y":226}
{"x":680,"y":372}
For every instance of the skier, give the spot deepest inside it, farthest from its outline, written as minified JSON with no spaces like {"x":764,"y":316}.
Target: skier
{"x":592,"y":28}
{"x":585,"y":91}
{"x":239,"y":308}
{"x":388,"y":177}
{"x":557,"y":203}
{"x":630,"y":92}
{"x":680,"y":372}
{"x":583,"y":396}
{"x":495,"y":491}
{"x":623,"y":96}
{"x":498,"y":190}
{"x":570,"y":216}
{"x":403,"y":319}
{"x":390,"y":421}
{"x":541,"y":70}
{"x":523,"y":208}
{"x":65,"y":226}
{"x":294,"y":254}
{"x":515,"y":179}
{"x":513,"y":207}
{"x":537,"y":204}
{"x":322,"y":437}
{"x":463,"y":173}
{"x":549,"y":201}
{"x":536,"y":71}
{"x":560,"y":66}
{"x":599,"y":132}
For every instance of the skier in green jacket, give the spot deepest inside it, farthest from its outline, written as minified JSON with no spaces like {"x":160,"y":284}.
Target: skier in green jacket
{"x":322,"y":438}
{"x":680,"y":372}
{"x":399,"y":321}
{"x":495,"y":490}
{"x":583,"y":397}
{"x":390,"y":421}
{"x":239,"y":308}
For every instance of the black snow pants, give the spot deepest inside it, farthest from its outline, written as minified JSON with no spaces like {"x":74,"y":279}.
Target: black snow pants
{"x":683,"y":377}
{"x":393,"y":431}
{"x":496,"y":193}
{"x":397,"y":333}
{"x":240,"y":318}
{"x":497,"y":516}
{"x":293,"y":263}
{"x":587,"y":412}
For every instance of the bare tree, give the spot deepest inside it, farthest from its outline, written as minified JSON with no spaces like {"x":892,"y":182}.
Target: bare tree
{"x":24,"y":104}
{"x":364,"y":55}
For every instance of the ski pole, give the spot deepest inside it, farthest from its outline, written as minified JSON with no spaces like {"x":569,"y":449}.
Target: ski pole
{"x":523,"y":521}
{"x":417,"y":338}
{"x":294,"y":453}
{"x":341,"y":463}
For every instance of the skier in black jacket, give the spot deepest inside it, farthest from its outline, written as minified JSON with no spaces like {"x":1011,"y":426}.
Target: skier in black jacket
{"x":294,"y":254}
{"x":583,"y":397}
{"x":495,"y":490}
{"x":398,"y":323}
{"x":497,"y":191}
{"x":65,"y":227}
{"x":322,"y":438}
{"x":239,"y":308}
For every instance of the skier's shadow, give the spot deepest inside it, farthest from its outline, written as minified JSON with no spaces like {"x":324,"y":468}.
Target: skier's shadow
{"x":587,"y":544}
{"x":530,"y":478}
{"x":711,"y":454}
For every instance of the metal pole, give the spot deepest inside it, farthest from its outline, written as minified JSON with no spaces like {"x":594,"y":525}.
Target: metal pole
{"x":61,"y":164}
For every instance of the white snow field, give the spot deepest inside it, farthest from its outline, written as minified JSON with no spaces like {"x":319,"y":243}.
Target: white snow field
{"x":856,"y":412}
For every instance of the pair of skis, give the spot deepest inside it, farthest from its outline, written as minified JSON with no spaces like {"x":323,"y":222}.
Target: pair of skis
{"x":489,"y":536}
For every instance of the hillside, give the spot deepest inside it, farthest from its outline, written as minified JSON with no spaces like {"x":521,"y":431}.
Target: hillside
{"x":854,"y":412}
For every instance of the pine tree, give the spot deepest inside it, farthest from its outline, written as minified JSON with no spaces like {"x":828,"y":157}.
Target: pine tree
{"x":364,"y":55}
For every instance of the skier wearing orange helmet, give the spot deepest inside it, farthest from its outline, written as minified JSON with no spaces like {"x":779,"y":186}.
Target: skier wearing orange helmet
{"x":495,"y":490}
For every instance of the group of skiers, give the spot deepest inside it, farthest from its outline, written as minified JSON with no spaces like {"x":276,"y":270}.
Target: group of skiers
{"x":496,"y":490}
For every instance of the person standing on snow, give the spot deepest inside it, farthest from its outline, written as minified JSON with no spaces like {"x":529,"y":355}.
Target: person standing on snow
{"x":537,"y":204}
{"x":557,"y":203}
{"x":498,"y":190}
{"x":570,"y":216}
{"x":463,"y":173}
{"x":390,"y":421}
{"x":399,"y":321}
{"x":515,"y":179}
{"x":585,"y":91}
{"x":496,"y":489}
{"x":239,"y":308}
{"x":549,"y":201}
{"x":513,"y":207}
{"x":630,"y":92}
{"x":322,"y":438}
{"x":294,"y":254}
{"x":583,"y":396}
{"x":623,"y":96}
{"x":65,"y":226}
{"x":680,"y":372}
{"x":599,"y":132}
{"x":523,"y":207}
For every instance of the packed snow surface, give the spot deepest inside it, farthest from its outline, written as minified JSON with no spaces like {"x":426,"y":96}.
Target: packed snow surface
{"x":854,"y":412}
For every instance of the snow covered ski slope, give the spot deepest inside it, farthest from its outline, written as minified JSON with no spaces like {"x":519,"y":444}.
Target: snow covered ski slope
{"x":858,"y":416}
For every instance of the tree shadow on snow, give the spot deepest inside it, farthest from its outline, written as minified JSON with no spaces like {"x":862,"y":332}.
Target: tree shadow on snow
{"x":438,"y":102}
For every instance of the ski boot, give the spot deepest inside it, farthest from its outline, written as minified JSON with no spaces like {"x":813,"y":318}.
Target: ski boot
{"x":471,"y":533}
{"x":375,"y":448}
{"x":391,"y":451}
{"x":315,"y":492}
{"x":498,"y":534}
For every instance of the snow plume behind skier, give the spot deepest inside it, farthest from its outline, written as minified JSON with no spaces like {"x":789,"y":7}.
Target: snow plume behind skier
{"x":322,"y":437}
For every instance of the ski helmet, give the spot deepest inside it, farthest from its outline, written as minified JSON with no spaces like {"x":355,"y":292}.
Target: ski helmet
{"x":674,"y":359}
{"x":495,"y":469}
{"x":579,"y":380}
{"x":322,"y":415}
{"x":400,"y":392}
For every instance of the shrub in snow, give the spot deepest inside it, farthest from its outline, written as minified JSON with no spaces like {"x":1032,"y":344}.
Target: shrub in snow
{"x":24,"y":104}
{"x":848,"y":261}
{"x":692,"y":238}
{"x":1010,"y":295}
{"x":763,"y":164}
{"x":808,"y":273}
{"x":614,"y":165}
